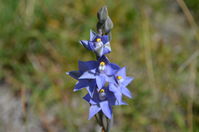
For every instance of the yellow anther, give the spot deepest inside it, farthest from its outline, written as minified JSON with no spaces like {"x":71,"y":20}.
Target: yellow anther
{"x":119,"y":77}
{"x":102,"y":63}
{"x":101,"y":91}
{"x":98,"y":39}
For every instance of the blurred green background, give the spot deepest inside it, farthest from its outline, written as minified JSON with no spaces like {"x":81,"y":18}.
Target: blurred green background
{"x":158,"y":41}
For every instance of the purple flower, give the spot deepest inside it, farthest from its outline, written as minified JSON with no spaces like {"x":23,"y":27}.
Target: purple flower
{"x":89,"y":84}
{"x":95,"y":74}
{"x":119,"y":87}
{"x":97,"y":43}
{"x":102,"y":73}
{"x":105,"y":82}
{"x":102,"y":100}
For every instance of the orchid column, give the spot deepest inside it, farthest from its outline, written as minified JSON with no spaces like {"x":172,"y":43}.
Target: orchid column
{"x":105,"y":81}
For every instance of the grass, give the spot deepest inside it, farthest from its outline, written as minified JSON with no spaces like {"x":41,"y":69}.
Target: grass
{"x":154,"y":39}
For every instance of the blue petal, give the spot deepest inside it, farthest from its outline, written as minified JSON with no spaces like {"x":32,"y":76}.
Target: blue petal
{"x":105,"y":39}
{"x":113,"y":88}
{"x":110,"y":79}
{"x":112,"y":100}
{"x":88,"y":75}
{"x":90,"y":91}
{"x":108,"y":47}
{"x":100,"y":80}
{"x":92,"y":35}
{"x":106,"y":109}
{"x":105,"y":51}
{"x":110,"y":70}
{"x":88,"y":98}
{"x":122,"y":72}
{"x":85,"y":43}
{"x":85,"y":66}
{"x":117,"y":92}
{"x":126,"y":92}
{"x":80,"y":84}
{"x":127,"y":81}
{"x":118,"y":97}
{"x":93,"y":110}
{"x":74,"y":74}
{"x":91,"y":87}
{"x":91,"y":45}
{"x":99,"y":51}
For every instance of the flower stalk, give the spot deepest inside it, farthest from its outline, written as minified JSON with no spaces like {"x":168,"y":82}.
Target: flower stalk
{"x":105,"y":81}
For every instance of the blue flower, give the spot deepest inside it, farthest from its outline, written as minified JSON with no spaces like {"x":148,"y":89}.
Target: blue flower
{"x":102,"y":100}
{"x":89,"y":84}
{"x":119,"y":86}
{"x":97,"y":43}
{"x":96,"y":74}
{"x":105,"y":82}
{"x":104,"y":72}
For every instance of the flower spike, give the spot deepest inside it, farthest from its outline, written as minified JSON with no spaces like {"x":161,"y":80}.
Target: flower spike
{"x":105,"y":82}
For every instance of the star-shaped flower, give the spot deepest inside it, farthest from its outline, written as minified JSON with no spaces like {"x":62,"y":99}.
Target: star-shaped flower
{"x":102,"y":100}
{"x":119,"y":87}
{"x":97,"y":43}
{"x":102,"y":73}
{"x":89,"y":84}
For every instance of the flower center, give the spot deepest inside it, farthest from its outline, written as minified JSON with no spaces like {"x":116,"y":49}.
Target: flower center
{"x":98,"y":40}
{"x":102,"y":63}
{"x":119,"y":79}
{"x":101,"y":91}
{"x":102,"y":66}
{"x":98,"y":43}
{"x":102,"y":94}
